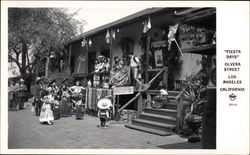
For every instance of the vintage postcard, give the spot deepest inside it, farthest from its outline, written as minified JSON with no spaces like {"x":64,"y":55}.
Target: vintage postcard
{"x":116,"y":77}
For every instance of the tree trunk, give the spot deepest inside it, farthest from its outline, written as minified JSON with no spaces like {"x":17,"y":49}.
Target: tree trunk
{"x":24,"y":53}
{"x":47,"y":66}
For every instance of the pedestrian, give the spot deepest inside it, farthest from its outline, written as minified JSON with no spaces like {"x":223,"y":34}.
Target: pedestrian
{"x":16,"y":96}
{"x":65,"y":107}
{"x":78,"y":92}
{"x":11,"y":95}
{"x":135,"y":64}
{"x":103,"y":111}
{"x":56,"y":110}
{"x":38,"y":90}
{"x":46,"y":115}
{"x":22,"y":94}
{"x":55,"y":93}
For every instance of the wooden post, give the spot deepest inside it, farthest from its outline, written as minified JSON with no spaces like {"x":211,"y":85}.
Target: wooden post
{"x":139,"y":105}
{"x":165,"y":76}
{"x":179,"y":114}
{"x":110,"y":51}
{"x":147,"y":56}
{"x":86,"y":61}
{"x":70,"y":50}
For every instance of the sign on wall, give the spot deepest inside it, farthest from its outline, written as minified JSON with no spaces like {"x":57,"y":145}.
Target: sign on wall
{"x":123,"y":90}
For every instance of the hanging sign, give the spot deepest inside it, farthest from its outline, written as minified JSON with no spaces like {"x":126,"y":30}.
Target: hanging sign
{"x":123,"y":90}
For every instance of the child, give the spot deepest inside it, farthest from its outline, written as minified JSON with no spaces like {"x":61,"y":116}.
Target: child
{"x":103,"y":112}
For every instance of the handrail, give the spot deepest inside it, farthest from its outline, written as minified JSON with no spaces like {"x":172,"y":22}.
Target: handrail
{"x":138,"y":94}
{"x":180,"y":106}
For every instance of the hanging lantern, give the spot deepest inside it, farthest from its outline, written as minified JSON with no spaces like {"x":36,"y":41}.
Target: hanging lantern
{"x":118,"y":30}
{"x":90,"y":42}
{"x":107,"y":37}
{"x":83,"y":43}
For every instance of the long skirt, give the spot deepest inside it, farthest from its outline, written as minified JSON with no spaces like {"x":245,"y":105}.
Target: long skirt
{"x":56,"y":112}
{"x":79,"y":112}
{"x":46,"y":114}
{"x":37,"y":105}
{"x":65,"y":108}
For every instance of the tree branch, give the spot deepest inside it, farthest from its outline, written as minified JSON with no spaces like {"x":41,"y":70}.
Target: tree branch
{"x":15,"y":60}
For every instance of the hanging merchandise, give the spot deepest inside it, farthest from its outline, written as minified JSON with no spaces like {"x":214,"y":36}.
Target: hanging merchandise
{"x":147,"y":25}
{"x":113,"y":34}
{"x":83,"y":43}
{"x":107,"y":37}
{"x":171,"y":37}
{"x":90,"y":43}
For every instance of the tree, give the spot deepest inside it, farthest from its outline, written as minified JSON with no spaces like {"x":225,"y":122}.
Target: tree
{"x":35,"y":33}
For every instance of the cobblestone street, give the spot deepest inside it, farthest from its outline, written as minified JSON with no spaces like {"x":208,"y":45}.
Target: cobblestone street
{"x":26,"y":132}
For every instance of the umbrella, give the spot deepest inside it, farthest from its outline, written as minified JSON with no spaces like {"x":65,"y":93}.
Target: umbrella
{"x":104,"y":103}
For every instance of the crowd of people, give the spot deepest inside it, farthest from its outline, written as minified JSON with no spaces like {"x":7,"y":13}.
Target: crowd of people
{"x":51,"y":101}
{"x":17,"y":95}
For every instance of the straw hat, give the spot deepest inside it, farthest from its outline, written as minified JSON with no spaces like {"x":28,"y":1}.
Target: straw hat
{"x":38,"y":79}
{"x":104,"y":103}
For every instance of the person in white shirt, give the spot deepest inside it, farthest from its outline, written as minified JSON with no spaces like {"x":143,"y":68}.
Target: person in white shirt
{"x":134,"y":64}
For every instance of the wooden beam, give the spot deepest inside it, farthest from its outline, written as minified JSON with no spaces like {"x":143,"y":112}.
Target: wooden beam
{"x":147,"y":56}
{"x":139,"y":105}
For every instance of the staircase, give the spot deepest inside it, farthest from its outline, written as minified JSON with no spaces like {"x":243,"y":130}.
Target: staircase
{"x":158,"y":121}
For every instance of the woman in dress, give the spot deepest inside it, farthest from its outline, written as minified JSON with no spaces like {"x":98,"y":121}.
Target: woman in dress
{"x":66,"y":107}
{"x":77,"y":97}
{"x":56,"y":96}
{"x":46,"y":115}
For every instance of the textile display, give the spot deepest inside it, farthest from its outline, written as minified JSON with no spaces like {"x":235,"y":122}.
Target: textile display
{"x":94,"y":95}
{"x":119,"y":76}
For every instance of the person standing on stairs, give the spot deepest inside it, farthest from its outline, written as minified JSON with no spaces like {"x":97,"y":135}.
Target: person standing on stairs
{"x":135,"y":64}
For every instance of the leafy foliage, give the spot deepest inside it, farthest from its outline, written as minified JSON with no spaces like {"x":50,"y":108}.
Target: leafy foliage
{"x":36,"y":32}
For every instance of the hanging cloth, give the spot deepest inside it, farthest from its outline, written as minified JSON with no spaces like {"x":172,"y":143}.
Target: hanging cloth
{"x":107,"y":37}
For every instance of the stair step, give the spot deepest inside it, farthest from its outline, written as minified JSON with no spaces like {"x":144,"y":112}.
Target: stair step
{"x":148,"y":130}
{"x":173,"y":93}
{"x":158,"y":118}
{"x":164,"y":112}
{"x":153,"y":125}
